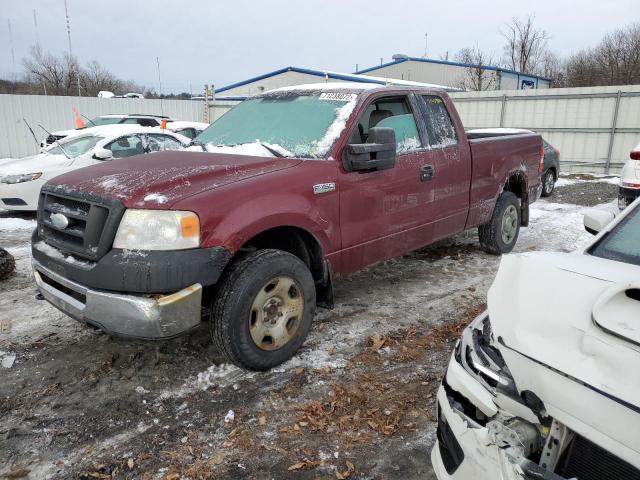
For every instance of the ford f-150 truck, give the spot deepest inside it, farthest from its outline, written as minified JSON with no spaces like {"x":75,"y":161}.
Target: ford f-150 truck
{"x":284,"y":192}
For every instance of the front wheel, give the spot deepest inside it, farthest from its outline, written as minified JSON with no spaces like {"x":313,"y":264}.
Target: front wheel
{"x":548,"y":183}
{"x":263,"y":310}
{"x":501,"y":233}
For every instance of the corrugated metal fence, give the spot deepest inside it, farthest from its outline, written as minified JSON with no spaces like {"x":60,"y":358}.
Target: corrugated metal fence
{"x":594,"y":128}
{"x":56,"y":113}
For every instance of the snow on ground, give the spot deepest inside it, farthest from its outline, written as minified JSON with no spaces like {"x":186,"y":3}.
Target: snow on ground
{"x":77,"y":403}
{"x":9,"y":223}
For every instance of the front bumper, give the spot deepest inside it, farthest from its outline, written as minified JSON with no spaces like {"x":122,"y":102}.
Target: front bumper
{"x":148,"y":317}
{"x":21,"y":196}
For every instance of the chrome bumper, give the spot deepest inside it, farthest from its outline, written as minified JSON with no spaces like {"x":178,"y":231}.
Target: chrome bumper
{"x":163,"y":316}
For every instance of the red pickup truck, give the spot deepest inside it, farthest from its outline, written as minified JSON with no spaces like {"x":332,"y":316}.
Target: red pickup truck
{"x":282,"y":194}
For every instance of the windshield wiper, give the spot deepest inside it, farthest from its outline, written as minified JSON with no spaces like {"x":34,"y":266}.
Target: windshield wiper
{"x":277,"y":150}
{"x":56,"y":141}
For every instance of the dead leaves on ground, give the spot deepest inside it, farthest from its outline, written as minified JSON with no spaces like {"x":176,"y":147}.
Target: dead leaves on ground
{"x":347,"y":473}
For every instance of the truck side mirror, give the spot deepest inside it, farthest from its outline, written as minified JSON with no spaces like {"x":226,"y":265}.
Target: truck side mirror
{"x":102,"y":154}
{"x":596,"y":220}
{"x":379,"y":153}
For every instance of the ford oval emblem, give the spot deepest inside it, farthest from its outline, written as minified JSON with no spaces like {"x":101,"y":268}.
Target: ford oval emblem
{"x":59,"y":221}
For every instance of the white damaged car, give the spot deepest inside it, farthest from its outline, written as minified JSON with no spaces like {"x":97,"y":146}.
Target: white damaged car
{"x":21,"y":179}
{"x":546,"y":383}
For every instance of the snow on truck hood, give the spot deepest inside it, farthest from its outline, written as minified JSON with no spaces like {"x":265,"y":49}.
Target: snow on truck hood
{"x":158,"y":180}
{"x":545,"y":306}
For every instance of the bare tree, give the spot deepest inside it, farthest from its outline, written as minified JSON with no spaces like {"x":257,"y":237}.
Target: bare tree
{"x":550,"y":66}
{"x":477,"y":77}
{"x":525,"y":44}
{"x":614,"y":61}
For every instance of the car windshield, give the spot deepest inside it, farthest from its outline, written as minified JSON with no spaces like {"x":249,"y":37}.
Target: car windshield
{"x":75,"y":147}
{"x":622,"y":243}
{"x":286,"y":124}
{"x":96,"y":122}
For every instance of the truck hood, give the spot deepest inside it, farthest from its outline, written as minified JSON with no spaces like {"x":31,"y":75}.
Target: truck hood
{"x":159,"y":180}
{"x":570,"y":313}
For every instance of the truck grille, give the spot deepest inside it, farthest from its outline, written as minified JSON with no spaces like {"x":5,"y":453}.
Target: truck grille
{"x":587,"y":461}
{"x":91,"y":223}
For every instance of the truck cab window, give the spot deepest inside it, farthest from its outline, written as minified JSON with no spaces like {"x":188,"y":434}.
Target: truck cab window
{"x":440,"y":128}
{"x":392,"y":113}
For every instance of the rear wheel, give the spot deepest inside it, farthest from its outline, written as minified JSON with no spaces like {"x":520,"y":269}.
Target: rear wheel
{"x":262,"y":313}
{"x":501,"y":233}
{"x":548,"y":183}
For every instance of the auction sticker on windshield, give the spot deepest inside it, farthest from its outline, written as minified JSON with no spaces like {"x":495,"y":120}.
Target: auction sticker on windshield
{"x":341,"y":97}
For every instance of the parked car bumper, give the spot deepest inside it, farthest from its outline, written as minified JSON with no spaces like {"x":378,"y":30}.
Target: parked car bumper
{"x":626,"y":196}
{"x":21,"y":196}
{"x":149,"y":317}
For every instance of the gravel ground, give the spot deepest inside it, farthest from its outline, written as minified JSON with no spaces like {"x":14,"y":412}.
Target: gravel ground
{"x":356,"y":402}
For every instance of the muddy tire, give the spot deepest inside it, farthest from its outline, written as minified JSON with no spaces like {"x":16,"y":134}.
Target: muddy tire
{"x":7,"y":264}
{"x":548,"y":183}
{"x":501,"y":233}
{"x":263,"y":309}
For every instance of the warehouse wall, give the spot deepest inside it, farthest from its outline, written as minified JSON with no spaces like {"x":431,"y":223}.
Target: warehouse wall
{"x":284,"y":79}
{"x":592,"y":127}
{"x":55,"y":113}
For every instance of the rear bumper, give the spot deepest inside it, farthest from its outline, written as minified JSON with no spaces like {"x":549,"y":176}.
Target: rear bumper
{"x":626,"y":196}
{"x":148,"y":317}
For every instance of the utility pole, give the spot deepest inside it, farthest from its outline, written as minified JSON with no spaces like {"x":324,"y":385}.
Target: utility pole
{"x":66,"y":13}
{"x":13,"y":53}
{"x":426,"y":44}
{"x":35,"y":26}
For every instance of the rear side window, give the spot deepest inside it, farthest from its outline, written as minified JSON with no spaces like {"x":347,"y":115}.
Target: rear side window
{"x":440,"y":128}
{"x":159,"y":143}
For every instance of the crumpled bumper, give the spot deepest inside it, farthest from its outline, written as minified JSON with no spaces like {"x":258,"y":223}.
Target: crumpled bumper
{"x":149,"y":317}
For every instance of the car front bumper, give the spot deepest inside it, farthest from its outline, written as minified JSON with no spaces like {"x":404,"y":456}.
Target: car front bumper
{"x":148,"y":317}
{"x":21,"y":196}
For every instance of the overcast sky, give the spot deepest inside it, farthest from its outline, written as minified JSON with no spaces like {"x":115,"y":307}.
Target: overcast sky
{"x":222,"y":42}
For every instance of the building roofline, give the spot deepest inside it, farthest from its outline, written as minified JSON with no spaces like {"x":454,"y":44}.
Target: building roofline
{"x":447,"y":62}
{"x":308,"y":71}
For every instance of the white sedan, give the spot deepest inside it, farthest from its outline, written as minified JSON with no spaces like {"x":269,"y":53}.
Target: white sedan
{"x":21,"y":179}
{"x":546,"y":384}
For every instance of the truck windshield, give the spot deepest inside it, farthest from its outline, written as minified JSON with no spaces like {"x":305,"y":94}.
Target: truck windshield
{"x":302,"y":126}
{"x":622,"y":243}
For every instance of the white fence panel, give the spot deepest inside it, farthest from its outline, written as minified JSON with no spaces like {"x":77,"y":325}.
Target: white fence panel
{"x":594,"y":128}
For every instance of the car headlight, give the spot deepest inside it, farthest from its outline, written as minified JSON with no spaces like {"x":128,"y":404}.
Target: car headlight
{"x":158,"y":230}
{"x":481,"y":359}
{"x":26,"y":177}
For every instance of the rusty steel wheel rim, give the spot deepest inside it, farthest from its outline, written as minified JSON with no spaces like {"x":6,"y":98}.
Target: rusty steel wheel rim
{"x":276,"y":313}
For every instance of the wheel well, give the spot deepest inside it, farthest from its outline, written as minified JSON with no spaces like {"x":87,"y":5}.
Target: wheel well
{"x":517,"y":184}
{"x":295,"y":241}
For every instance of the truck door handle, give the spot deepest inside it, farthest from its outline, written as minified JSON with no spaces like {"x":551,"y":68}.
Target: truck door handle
{"x":426,"y":173}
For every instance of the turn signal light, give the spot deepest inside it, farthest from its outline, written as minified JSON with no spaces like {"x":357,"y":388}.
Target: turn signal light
{"x":541,"y":163}
{"x":190,"y":226}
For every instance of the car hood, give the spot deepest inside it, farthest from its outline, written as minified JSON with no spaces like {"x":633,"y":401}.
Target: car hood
{"x":158,"y":180}
{"x":561,"y":312}
{"x":35,"y":163}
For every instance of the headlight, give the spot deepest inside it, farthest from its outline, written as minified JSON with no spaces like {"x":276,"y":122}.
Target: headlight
{"x":158,"y":230}
{"x":26,"y":177}
{"x":479,"y":357}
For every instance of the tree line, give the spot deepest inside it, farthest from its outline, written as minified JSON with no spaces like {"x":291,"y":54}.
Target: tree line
{"x":615,"y":60}
{"x":47,"y":74}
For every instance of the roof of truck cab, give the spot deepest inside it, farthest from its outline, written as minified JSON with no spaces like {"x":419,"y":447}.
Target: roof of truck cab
{"x":353,"y":87}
